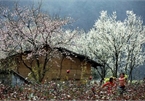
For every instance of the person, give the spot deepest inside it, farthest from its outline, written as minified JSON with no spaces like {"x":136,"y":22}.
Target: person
{"x":122,"y":82}
{"x":110,"y":85}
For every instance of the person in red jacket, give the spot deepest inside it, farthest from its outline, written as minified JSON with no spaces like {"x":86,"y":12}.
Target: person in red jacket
{"x":110,"y":85}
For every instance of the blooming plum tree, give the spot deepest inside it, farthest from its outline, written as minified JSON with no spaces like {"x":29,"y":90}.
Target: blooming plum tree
{"x":118,"y":44}
{"x":31,"y":31}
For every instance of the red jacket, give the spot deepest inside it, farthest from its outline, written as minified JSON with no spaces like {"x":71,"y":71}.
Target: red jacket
{"x":109,"y":86}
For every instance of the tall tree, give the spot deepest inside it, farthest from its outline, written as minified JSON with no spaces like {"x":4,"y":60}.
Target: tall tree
{"x":28,"y":29}
{"x":119,"y":44}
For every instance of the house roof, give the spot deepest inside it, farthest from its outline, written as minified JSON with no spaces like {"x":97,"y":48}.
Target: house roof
{"x":67,"y":52}
{"x":81,"y":57}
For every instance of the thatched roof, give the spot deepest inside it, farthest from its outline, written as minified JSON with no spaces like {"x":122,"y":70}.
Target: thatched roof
{"x":81,"y":57}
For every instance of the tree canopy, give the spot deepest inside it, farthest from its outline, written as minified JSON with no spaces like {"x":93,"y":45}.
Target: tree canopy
{"x":29,"y":29}
{"x":119,"y":45}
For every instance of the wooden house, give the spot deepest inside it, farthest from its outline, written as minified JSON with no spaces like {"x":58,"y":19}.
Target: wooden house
{"x":69,"y":65}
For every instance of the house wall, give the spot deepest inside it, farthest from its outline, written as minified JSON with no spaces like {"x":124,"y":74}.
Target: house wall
{"x":58,"y":67}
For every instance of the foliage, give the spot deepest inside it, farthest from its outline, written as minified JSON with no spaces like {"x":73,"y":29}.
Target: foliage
{"x":32,"y":34}
{"x":120,"y":44}
{"x":117,"y":45}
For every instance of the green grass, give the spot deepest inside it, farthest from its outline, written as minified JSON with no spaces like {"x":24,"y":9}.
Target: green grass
{"x":136,"y":81}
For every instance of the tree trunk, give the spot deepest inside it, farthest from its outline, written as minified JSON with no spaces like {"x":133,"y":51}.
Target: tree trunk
{"x":130,"y":75}
{"x":61,"y":66}
{"x":116,"y":65}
